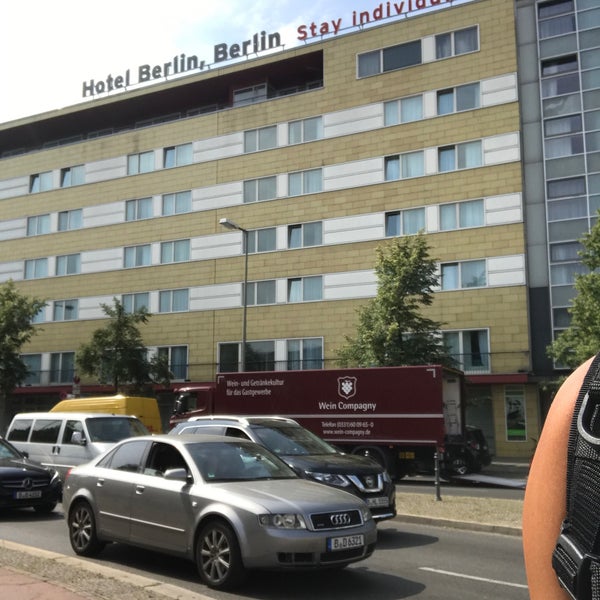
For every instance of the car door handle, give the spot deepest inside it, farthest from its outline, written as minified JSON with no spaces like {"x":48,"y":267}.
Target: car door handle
{"x":100,"y":483}
{"x":139,"y":489}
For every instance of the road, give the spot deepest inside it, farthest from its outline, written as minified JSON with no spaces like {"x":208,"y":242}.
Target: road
{"x":411,"y":561}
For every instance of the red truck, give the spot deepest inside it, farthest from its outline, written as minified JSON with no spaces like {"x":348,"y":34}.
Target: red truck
{"x":400,"y":416}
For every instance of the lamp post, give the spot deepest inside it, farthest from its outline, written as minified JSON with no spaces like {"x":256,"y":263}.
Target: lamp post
{"x":231,"y":225}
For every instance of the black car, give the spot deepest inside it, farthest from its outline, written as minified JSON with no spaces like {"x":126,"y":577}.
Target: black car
{"x":309,"y":455}
{"x":24,"y":483}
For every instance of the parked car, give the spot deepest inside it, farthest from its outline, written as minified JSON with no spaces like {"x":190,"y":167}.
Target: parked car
{"x":63,"y":440}
{"x":229,"y":505}
{"x":468,"y":453}
{"x":24,"y":483}
{"x":309,"y":455}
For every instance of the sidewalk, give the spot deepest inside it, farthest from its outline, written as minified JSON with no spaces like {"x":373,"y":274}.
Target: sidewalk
{"x":32,"y":574}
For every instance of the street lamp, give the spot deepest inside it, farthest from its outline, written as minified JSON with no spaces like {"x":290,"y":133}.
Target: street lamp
{"x":228,"y":224}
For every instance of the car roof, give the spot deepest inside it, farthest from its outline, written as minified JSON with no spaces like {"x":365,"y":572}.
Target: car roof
{"x":241,"y":420}
{"x":69,"y":414}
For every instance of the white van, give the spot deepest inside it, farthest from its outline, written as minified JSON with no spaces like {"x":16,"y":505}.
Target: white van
{"x":63,"y":440}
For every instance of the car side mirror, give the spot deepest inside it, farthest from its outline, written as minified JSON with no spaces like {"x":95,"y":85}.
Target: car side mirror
{"x":78,"y":439}
{"x":178,"y":474}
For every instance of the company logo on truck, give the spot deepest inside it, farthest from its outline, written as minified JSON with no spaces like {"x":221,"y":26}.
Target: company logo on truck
{"x":347,"y":387}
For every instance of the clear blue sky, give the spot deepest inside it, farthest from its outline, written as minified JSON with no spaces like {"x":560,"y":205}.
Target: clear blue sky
{"x":49,"y":48}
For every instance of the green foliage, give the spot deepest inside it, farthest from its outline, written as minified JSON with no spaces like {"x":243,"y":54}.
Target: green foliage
{"x":582,"y":338}
{"x":116,"y":352}
{"x":16,"y":315}
{"x":391,"y":329}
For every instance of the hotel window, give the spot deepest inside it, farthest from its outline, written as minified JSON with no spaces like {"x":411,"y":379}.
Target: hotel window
{"x":40,"y":316}
{"x":70,"y":219}
{"x":562,"y":188}
{"x":38,"y":225}
{"x":261,"y":292}
{"x":137,"y":256}
{"x":177,"y":156}
{"x":305,"y":289}
{"x":560,"y":76}
{"x":172,"y":252}
{"x":40,"y":182}
{"x":404,"y":110}
{"x":68,"y":264}
{"x":256,"y":190}
{"x":305,"y":182}
{"x":404,"y":222}
{"x":459,"y":215}
{"x":36,"y":268}
{"x":304,"y":354}
{"x":174,"y":300}
{"x":403,"y":166}
{"x":65,"y":310}
{"x":260,"y":356}
{"x":389,"y":59}
{"x":177,"y":358}
{"x":135,"y":302}
{"x":556,"y":18}
{"x":462,"y":275}
{"x":470,"y":349}
{"x":306,"y":130}
{"x":249,"y":95}
{"x":140,"y":163}
{"x":62,"y":367}
{"x":460,"y":156}
{"x":456,"y":43}
{"x":72,"y":176}
{"x":264,"y":138}
{"x":33,"y":363}
{"x":175,"y":204}
{"x":305,"y":235}
{"x":262,"y":240}
{"x":464,"y":97}
{"x":138,"y":209}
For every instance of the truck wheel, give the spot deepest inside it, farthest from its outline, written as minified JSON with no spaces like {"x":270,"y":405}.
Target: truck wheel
{"x":218,"y":556}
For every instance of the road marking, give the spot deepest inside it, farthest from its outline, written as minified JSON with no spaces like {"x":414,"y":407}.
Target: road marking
{"x":463,"y":576}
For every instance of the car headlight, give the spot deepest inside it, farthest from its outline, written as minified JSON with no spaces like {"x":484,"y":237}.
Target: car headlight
{"x":366,"y":515}
{"x":283,"y":521}
{"x":329,"y":478}
{"x":386,"y":477}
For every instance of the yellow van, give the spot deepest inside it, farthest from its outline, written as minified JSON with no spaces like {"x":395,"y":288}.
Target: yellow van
{"x":145,"y":409}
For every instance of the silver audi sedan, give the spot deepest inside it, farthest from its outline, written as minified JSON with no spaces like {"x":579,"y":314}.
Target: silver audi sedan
{"x":228,"y":504}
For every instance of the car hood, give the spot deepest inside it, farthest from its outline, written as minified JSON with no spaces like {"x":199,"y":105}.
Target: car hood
{"x":20,"y":466}
{"x":345,"y":464}
{"x":283,"y":495}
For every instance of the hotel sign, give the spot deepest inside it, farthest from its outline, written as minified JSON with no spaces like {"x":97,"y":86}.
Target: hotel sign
{"x":259,"y":42}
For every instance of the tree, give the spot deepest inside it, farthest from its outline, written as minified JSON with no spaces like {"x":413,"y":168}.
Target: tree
{"x":117,"y":354}
{"x":16,"y":329}
{"x":391,"y":329}
{"x":581,"y":339}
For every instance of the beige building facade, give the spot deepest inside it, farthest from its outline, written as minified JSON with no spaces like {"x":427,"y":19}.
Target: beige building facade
{"x":320,"y":153}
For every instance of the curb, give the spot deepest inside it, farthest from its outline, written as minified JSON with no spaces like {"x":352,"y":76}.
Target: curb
{"x":464,"y":525}
{"x":165,"y":590}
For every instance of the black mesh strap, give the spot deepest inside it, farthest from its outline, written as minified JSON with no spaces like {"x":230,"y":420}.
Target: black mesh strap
{"x":576,"y":558}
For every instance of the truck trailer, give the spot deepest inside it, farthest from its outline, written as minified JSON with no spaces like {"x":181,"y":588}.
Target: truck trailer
{"x":403,"y":417}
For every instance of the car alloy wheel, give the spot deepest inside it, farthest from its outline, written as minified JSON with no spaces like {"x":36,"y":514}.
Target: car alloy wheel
{"x":218,"y":556}
{"x":82,"y":530}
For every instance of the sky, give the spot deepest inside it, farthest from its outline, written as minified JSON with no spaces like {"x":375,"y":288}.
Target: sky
{"x":49,"y":49}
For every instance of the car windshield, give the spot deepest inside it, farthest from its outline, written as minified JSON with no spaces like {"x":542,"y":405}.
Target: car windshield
{"x":234,"y":461}
{"x":292,"y":441}
{"x":114,"y":429}
{"x":7,"y":451}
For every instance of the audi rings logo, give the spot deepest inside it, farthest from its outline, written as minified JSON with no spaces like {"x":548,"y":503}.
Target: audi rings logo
{"x":340,"y":519}
{"x":27,"y":483}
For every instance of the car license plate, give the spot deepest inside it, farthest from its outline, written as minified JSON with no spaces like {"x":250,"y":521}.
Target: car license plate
{"x":345,"y":542}
{"x":379,"y":501}
{"x":28,"y":495}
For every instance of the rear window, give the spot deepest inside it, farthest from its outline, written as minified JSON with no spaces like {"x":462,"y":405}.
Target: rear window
{"x":19,"y":432}
{"x":114,"y":429}
{"x":45,"y":431}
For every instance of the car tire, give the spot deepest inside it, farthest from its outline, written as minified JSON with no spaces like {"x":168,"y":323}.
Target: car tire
{"x":45,"y":508}
{"x":218,"y":556}
{"x":83,"y":534}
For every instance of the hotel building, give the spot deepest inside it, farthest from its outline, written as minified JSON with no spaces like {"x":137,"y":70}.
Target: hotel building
{"x":476,"y":123}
